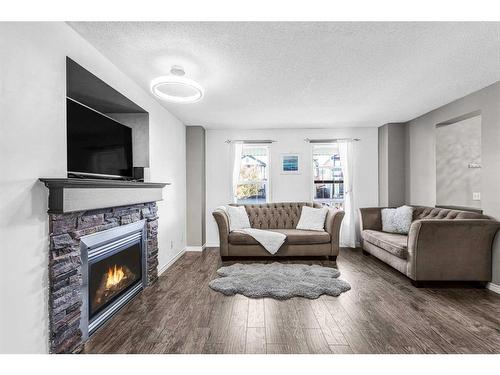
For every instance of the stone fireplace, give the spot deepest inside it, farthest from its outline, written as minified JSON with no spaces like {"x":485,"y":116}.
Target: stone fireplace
{"x":99,"y":258}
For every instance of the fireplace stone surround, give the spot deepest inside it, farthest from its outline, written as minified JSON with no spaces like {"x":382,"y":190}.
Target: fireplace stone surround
{"x":73,"y":215}
{"x":65,"y":264}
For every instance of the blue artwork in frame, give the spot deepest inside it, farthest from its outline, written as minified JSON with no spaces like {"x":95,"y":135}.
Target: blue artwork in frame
{"x":290,"y":163}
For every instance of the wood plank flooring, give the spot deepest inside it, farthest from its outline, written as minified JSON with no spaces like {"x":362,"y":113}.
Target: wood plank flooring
{"x":382,"y":313}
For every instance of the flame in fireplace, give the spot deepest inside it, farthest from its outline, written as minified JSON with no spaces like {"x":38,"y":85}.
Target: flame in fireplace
{"x":114,"y":276}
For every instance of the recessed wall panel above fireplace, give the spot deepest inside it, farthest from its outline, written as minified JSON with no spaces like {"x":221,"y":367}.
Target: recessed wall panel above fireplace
{"x":83,"y":87}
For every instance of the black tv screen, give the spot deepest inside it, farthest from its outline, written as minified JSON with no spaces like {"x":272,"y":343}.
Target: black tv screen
{"x":97,"y":145}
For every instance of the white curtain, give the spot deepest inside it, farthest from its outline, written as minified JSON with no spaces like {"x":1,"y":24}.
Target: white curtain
{"x":348,"y":228}
{"x":236,"y":149}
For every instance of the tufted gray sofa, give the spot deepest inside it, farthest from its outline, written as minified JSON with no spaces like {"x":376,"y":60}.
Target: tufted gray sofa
{"x":280,"y":217}
{"x":442,"y":244}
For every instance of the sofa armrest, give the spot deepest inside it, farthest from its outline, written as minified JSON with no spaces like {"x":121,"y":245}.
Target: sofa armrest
{"x":370,"y":218}
{"x":451,"y":249}
{"x":332,"y":226}
{"x":222,"y":221}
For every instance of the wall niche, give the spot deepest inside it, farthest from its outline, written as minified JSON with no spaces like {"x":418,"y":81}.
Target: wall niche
{"x":458,"y":162}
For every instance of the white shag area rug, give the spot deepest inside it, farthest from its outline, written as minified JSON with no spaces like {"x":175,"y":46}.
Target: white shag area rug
{"x":278,"y":280}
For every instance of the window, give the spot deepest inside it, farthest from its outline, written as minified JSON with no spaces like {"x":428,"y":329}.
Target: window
{"x":328,"y":183}
{"x":253,"y":179}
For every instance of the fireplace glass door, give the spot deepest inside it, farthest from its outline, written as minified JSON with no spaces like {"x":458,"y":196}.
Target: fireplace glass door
{"x":113,"y":275}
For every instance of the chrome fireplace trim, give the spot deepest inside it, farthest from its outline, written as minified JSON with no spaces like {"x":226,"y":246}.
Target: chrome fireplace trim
{"x":100,"y":245}
{"x":110,"y":311}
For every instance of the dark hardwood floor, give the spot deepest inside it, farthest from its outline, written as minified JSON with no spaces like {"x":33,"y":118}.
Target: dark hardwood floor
{"x":382,"y":313}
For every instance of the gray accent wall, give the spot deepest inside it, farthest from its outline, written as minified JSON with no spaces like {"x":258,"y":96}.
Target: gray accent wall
{"x":195,"y":183}
{"x":383,"y":166}
{"x":421,"y":154}
{"x":391,"y":164}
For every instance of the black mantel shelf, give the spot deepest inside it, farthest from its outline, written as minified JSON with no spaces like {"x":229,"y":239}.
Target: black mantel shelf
{"x":75,"y":194}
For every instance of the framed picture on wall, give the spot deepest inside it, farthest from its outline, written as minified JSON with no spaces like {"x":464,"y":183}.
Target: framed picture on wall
{"x":290,"y":164}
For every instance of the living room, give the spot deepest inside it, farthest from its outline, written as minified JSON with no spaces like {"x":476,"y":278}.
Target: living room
{"x":268,"y":188}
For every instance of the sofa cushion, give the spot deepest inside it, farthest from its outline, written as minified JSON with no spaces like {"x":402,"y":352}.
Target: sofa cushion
{"x":396,"y":244}
{"x":238,"y":218}
{"x":293,"y":237}
{"x":276,"y":215}
{"x":238,"y":238}
{"x":304,"y":237}
{"x":397,"y":220}
{"x":312,"y":219}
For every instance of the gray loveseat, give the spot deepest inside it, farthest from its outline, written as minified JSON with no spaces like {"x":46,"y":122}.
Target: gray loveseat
{"x":442,"y":244}
{"x":280,"y":217}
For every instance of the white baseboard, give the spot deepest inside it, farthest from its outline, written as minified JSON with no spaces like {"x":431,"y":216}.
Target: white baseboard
{"x":493,"y":287}
{"x":170,"y":262}
{"x":195,"y":248}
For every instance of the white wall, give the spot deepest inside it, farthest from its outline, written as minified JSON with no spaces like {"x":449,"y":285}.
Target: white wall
{"x":421,"y":154}
{"x":287,"y":187}
{"x":33,"y":145}
{"x":458,"y":145}
{"x":139,"y":123}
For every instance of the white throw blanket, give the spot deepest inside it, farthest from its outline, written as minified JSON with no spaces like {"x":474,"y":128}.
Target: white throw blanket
{"x":271,"y":241}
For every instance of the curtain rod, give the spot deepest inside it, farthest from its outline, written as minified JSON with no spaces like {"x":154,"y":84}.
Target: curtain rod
{"x":249,"y":141}
{"x":332,"y":140}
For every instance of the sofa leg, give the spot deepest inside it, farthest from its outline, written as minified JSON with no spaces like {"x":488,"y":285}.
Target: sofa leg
{"x":332,"y":258}
{"x":417,"y":284}
{"x":366,"y":253}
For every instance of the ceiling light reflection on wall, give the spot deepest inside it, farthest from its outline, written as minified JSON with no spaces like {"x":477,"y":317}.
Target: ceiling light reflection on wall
{"x":175,"y":88}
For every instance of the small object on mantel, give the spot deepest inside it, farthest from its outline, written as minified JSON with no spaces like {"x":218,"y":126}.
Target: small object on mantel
{"x":72,"y":194}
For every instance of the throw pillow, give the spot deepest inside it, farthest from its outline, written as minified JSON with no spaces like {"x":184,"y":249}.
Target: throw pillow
{"x":397,"y":220}
{"x":312,"y":218}
{"x":238,"y":218}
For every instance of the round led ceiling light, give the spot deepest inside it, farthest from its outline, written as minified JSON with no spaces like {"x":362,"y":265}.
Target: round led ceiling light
{"x":175,"y":88}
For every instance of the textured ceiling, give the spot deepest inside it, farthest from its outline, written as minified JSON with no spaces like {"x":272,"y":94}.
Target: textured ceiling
{"x":283,"y":75}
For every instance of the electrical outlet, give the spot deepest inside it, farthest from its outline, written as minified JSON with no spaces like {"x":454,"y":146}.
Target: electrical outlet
{"x":476,"y":196}
{"x":171,"y":244}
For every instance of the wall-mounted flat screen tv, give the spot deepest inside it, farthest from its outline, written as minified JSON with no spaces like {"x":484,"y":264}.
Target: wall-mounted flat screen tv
{"x":98,"y":146}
